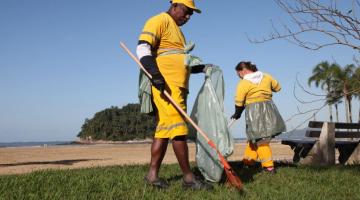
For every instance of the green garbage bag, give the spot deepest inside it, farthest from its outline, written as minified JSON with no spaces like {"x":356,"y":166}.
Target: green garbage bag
{"x":263,"y":120}
{"x":208,"y":114}
{"x":144,"y":94}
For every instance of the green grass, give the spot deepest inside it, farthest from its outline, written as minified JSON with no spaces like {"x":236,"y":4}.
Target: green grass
{"x":126,"y":182}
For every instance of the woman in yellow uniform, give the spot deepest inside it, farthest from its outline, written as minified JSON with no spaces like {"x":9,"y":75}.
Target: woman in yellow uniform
{"x":263,"y":120}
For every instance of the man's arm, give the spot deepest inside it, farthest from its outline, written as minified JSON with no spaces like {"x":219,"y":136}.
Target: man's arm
{"x":146,"y":58}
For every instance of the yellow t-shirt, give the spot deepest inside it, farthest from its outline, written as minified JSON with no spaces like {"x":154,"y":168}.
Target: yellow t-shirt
{"x":248,"y":92}
{"x":162,"y":32}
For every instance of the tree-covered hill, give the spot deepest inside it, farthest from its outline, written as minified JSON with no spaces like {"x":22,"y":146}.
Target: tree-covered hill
{"x":115,"y":124}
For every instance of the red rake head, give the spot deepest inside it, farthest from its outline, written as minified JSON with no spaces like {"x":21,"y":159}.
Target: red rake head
{"x":233,"y":179}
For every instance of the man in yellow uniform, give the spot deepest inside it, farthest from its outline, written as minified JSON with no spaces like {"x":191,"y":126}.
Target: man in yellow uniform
{"x":263,"y":120}
{"x":160,"y":36}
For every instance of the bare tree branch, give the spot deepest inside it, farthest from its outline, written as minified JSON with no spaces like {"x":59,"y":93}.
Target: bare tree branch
{"x":313,"y":111}
{"x":338,"y":27}
{"x":305,"y":102}
{"x":302,"y":87}
{"x":307,"y":119}
{"x":302,"y":113}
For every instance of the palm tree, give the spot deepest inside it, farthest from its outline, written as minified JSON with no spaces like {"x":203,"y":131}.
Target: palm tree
{"x":335,"y":96}
{"x":356,"y":86}
{"x":344,"y":78}
{"x":321,"y":76}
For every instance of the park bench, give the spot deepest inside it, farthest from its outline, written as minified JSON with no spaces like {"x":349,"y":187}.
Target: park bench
{"x":321,"y":140}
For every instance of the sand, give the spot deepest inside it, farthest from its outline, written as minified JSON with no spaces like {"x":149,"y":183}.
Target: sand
{"x":20,"y":160}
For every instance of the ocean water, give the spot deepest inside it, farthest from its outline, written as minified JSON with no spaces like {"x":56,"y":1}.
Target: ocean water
{"x":34,"y":144}
{"x":297,"y":134}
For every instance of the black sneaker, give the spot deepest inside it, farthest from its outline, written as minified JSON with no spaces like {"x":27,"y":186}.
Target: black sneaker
{"x":159,"y":183}
{"x":197,"y":184}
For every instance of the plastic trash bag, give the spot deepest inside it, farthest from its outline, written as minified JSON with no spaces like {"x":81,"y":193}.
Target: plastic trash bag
{"x":208,"y":114}
{"x":144,"y":94}
{"x":263,"y":120}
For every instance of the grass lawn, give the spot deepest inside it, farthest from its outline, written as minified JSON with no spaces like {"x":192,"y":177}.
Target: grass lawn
{"x":126,"y":182}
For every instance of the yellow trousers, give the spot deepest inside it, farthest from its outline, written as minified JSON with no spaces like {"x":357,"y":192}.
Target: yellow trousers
{"x":261,"y":153}
{"x":170,"y":123}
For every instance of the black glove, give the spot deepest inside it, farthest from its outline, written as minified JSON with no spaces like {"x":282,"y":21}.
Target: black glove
{"x":158,"y":82}
{"x":238,"y":112}
{"x":197,"y":69}
{"x":200,"y":68}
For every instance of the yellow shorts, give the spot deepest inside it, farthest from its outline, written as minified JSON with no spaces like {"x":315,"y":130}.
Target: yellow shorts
{"x":170,"y":123}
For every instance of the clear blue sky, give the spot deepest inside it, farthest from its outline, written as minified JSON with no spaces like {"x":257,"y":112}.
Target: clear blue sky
{"x":60,"y":60}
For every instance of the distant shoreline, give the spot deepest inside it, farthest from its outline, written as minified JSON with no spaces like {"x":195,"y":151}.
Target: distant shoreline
{"x":94,"y":142}
{"x":34,"y":144}
{"x":297,"y":134}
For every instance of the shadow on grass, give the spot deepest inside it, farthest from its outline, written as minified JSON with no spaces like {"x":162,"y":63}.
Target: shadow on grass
{"x":56,"y":162}
{"x":174,"y":178}
{"x":245,"y":173}
{"x":195,"y":170}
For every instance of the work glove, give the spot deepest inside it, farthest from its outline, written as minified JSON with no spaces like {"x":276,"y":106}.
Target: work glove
{"x":235,"y":116}
{"x":158,"y":82}
{"x":197,"y":69}
{"x":238,"y":112}
{"x":200,"y":68}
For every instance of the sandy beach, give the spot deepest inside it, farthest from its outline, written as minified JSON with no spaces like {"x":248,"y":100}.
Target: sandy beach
{"x":18,"y":160}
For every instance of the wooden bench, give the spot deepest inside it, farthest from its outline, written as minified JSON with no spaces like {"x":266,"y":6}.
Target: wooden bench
{"x":321,"y":140}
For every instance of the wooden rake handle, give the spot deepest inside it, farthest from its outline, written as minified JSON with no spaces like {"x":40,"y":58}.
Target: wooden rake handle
{"x":233,"y":179}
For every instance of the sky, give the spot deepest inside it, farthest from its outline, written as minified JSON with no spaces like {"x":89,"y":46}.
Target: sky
{"x":60,"y":60}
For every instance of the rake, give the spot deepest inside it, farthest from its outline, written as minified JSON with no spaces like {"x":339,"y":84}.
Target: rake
{"x":232,"y":178}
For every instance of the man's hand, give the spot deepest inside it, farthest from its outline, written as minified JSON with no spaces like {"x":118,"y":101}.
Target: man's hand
{"x":200,"y":68}
{"x":207,"y":66}
{"x":238,"y":112}
{"x":158,"y":82}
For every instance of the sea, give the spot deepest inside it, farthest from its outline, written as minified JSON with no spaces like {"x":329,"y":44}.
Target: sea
{"x":297,"y":134}
{"x":34,"y":144}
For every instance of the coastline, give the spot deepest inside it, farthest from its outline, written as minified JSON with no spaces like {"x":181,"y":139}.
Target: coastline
{"x":298,"y":135}
{"x":83,"y":142}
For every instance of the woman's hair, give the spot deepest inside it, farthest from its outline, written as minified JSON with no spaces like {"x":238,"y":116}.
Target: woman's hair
{"x":246,"y":65}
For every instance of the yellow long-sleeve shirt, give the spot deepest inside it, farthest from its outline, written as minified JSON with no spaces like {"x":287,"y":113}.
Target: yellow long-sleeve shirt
{"x":163,"y":34}
{"x":248,"y":92}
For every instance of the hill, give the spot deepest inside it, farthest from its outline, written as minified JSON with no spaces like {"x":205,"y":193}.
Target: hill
{"x":118,"y":124}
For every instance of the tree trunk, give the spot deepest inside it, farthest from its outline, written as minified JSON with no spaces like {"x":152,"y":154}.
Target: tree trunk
{"x":337,"y":112}
{"x":330,"y":106}
{"x":359,"y":116}
{"x":347,"y":110}
{"x":330,"y":111}
{"x":350,"y":109}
